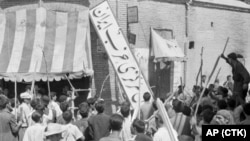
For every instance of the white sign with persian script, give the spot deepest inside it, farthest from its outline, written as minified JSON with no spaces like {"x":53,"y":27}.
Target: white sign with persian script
{"x":119,"y":53}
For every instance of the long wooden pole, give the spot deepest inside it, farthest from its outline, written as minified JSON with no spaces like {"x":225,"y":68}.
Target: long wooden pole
{"x":209,"y":78}
{"x":200,"y":69}
{"x":139,"y":106}
{"x":33,"y":83}
{"x":166,"y":120}
{"x":16,"y":98}
{"x":217,"y":75}
{"x":72,"y":97}
{"x":201,"y":65}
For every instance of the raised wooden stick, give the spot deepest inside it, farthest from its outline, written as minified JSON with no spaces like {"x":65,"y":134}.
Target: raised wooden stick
{"x":72,"y":97}
{"x":166,"y":120}
{"x":217,"y":75}
{"x":200,"y":69}
{"x":209,"y":78}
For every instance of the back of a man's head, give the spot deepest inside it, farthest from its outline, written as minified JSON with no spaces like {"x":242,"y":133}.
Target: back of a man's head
{"x":45,"y":100}
{"x":84,"y":109}
{"x":99,"y":106}
{"x":67,"y":116}
{"x":52,"y":95}
{"x":116,"y":122}
{"x":91,"y":101}
{"x":64,"y":106}
{"x":146,"y":96}
{"x":62,"y":98}
{"x":139,"y":126}
{"x":40,"y":108}
{"x":34,"y":103}
{"x":125,"y":109}
{"x":36,"y":116}
{"x":208,"y":115}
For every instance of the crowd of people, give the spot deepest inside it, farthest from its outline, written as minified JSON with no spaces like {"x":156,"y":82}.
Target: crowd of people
{"x":44,"y":118}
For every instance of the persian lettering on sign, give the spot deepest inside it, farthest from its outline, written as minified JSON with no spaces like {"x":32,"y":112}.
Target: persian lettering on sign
{"x":119,"y":53}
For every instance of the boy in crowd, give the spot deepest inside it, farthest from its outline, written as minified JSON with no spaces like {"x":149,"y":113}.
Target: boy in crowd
{"x":36,"y":131}
{"x":125,"y":112}
{"x":25,"y":110}
{"x":147,"y":107}
{"x":72,"y":133}
{"x":64,"y":107}
{"x":82,"y":123}
{"x":54,"y":105}
{"x":138,"y":129}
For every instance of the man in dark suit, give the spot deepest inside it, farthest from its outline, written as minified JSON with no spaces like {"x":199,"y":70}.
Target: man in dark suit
{"x":8,"y":126}
{"x":99,"y":125}
{"x":241,"y":77}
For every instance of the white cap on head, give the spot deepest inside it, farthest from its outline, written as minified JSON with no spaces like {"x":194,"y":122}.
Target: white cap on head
{"x":53,"y":129}
{"x":25,"y":95}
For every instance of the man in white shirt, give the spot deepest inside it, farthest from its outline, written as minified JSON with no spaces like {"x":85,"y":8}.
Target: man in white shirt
{"x":72,"y":132}
{"x":25,"y":110}
{"x":54,"y":105}
{"x":162,"y":134}
{"x":36,"y":131}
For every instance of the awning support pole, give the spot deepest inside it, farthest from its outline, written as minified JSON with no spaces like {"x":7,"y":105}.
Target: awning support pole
{"x":72,"y":97}
{"x":15,"y":98}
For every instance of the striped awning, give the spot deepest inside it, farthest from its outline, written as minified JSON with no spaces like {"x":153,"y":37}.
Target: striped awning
{"x":41,"y":44}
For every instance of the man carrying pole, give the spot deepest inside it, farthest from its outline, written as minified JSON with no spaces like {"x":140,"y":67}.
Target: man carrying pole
{"x":241,"y":77}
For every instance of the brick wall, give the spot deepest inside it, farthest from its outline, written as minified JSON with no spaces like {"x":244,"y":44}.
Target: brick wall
{"x":102,"y":66}
{"x":209,"y":26}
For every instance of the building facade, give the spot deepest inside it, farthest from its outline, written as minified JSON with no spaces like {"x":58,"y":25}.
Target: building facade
{"x":201,"y":22}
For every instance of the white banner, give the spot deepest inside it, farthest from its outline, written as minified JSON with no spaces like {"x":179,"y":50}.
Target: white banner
{"x":119,"y":53}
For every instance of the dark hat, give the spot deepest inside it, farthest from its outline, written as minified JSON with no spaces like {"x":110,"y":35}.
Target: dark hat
{"x":232,"y":56}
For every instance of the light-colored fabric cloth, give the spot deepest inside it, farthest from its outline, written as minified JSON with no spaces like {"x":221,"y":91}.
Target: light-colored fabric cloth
{"x":30,"y":121}
{"x":126,"y":131}
{"x":72,"y":133}
{"x":111,"y":137}
{"x":25,"y":110}
{"x":162,"y":134}
{"x":47,"y":118}
{"x":223,"y":117}
{"x":82,"y":124}
{"x":55,"y":106}
{"x":236,"y":114}
{"x":34,"y":133}
{"x":25,"y":95}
